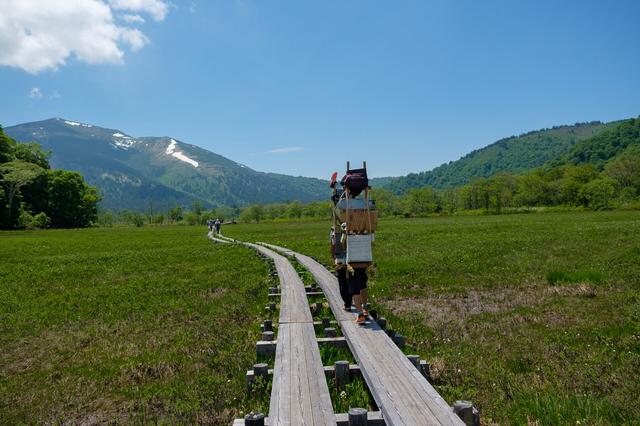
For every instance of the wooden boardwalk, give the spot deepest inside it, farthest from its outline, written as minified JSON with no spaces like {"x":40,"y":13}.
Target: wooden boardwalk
{"x":300,"y":395}
{"x":403,"y":395}
{"x":299,"y":391}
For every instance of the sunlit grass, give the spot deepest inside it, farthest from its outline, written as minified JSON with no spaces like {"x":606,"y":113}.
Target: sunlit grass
{"x":472,"y":296}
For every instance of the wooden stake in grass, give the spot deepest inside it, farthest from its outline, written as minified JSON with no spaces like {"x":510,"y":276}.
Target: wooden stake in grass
{"x":357,"y":417}
{"x":467,"y":412}
{"x":254,"y":419}
{"x":341,"y":374}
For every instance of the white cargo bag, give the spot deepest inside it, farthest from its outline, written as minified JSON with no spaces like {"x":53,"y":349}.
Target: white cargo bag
{"x":359,"y":248}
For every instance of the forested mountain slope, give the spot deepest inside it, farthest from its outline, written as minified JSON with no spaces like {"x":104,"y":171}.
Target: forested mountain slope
{"x":515,"y":154}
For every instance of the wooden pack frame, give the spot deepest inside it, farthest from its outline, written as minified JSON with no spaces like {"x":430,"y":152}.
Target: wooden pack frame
{"x":346,"y":195}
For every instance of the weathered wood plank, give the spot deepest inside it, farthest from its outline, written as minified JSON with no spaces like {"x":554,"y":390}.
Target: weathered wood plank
{"x":299,"y":395}
{"x":294,"y":305}
{"x":402,"y":393}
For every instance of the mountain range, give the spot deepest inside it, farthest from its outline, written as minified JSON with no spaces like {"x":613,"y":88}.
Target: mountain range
{"x":159,"y":172}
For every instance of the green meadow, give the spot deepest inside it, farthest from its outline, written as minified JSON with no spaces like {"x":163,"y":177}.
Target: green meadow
{"x":533,"y":317}
{"x":126,"y":325}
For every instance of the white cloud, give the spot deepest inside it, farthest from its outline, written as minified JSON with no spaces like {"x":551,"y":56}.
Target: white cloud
{"x":134,"y":38}
{"x":35,"y":93}
{"x":285,"y":150}
{"x":55,"y":95}
{"x":36,"y":35}
{"x":133,"y":19}
{"x":158,"y":9}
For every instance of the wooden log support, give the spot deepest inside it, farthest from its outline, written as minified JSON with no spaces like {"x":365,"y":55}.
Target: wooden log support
{"x":374,"y":418}
{"x":308,"y":293}
{"x":339,"y":342}
{"x":272,"y":306}
{"x":273,"y":290}
{"x":326,"y":322}
{"x":267,"y":325}
{"x":382,"y":322}
{"x":467,"y":412}
{"x":267,"y":336}
{"x":266,"y":348}
{"x":398,"y":339}
{"x":425,"y":370}
{"x":330,"y":332}
{"x":259,"y":370}
{"x":357,"y":417}
{"x":415,"y":360}
{"x":332,"y":322}
{"x":254,"y":419}
{"x":341,"y":374}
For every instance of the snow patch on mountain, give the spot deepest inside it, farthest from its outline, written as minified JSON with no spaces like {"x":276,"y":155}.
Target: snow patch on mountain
{"x":122,"y":141}
{"x":75,"y":123}
{"x":171,"y":150}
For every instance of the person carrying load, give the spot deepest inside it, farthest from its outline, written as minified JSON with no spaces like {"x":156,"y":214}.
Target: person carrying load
{"x":354,"y":223}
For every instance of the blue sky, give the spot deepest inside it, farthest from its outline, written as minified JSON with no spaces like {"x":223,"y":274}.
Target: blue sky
{"x":299,"y":87}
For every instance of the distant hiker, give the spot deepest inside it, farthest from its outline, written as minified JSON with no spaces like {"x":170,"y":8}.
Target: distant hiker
{"x":210,"y":224}
{"x":337,"y":251}
{"x":217,"y":224}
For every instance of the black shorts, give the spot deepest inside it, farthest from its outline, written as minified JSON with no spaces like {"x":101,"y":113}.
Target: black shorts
{"x":358,"y":280}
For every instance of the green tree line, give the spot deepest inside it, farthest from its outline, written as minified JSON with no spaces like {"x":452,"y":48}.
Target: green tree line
{"x":35,"y":196}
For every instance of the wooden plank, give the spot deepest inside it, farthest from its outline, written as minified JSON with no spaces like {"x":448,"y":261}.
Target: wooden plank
{"x":299,"y":392}
{"x":402,"y":393}
{"x":299,"y":395}
{"x":294,"y":305}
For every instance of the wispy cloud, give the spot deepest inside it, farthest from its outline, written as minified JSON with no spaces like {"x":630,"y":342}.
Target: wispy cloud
{"x":35,"y":93}
{"x":133,"y":19}
{"x":285,"y":150}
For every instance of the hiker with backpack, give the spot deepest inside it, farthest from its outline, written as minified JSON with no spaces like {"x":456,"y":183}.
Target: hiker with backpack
{"x":217,"y":224}
{"x":354,"y":222}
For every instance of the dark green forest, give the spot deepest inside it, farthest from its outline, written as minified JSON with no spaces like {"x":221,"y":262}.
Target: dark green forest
{"x":515,"y":155}
{"x":35,"y":196}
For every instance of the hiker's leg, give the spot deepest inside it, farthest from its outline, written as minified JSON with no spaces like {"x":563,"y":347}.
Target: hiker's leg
{"x":364,"y":296}
{"x":344,"y":288}
{"x":357,"y":301}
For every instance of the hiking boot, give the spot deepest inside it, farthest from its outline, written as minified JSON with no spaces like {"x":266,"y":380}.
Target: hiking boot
{"x":361,"y":319}
{"x":347,"y":308}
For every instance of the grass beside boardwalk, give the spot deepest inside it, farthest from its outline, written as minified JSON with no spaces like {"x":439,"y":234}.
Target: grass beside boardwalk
{"x":533,"y":317}
{"x":126,"y":325}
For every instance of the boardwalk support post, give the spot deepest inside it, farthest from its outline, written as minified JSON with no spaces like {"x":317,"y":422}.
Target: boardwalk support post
{"x":467,"y":412}
{"x":267,"y":336}
{"x":398,"y":339}
{"x":267,"y":325}
{"x":329,"y":332}
{"x":415,"y":360}
{"x":357,"y":417}
{"x":259,"y":370}
{"x":341,"y":374}
{"x":326,"y":322}
{"x":382,"y":322}
{"x":254,"y":419}
{"x":425,"y":369}
{"x":272,"y":306}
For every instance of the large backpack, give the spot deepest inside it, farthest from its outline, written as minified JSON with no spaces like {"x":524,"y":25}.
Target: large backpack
{"x":356,"y":181}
